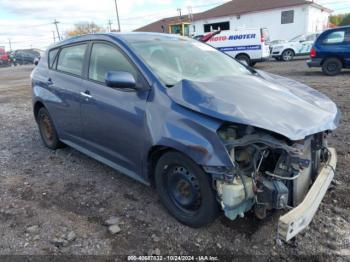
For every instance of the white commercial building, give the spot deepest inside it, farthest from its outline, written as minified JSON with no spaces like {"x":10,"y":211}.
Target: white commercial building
{"x":284,"y":19}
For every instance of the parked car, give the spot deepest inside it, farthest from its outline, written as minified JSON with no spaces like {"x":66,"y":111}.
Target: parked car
{"x":275,"y":42}
{"x":4,"y":58}
{"x":26,"y":56}
{"x":207,"y":131}
{"x":249,"y":44}
{"x":298,"y":46}
{"x":331,"y":51}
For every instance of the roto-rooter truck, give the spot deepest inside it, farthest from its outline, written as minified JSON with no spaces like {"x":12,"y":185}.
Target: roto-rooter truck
{"x":248,"y":45}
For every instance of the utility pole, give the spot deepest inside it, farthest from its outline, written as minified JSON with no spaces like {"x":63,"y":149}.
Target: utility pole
{"x":10,"y":44}
{"x":116,"y":10}
{"x":58,"y":33}
{"x":190,"y":13}
{"x":54,"y":37}
{"x":180,"y":14}
{"x":110,"y":25}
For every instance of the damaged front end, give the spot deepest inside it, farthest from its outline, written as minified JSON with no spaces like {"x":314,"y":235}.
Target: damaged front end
{"x":269,"y":171}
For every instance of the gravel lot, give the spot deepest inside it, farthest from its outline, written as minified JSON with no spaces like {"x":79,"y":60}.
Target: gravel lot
{"x":57,"y":202}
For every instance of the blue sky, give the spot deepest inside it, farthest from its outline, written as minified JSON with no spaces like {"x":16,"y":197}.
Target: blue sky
{"x":28,"y":23}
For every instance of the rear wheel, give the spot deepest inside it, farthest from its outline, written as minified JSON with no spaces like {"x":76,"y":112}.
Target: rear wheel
{"x":244,"y":58}
{"x":332,"y":66}
{"x":288,"y":55}
{"x":185,"y":190}
{"x":47,"y":129}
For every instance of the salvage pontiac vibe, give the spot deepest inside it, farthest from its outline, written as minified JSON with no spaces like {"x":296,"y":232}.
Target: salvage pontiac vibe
{"x":209,"y":132}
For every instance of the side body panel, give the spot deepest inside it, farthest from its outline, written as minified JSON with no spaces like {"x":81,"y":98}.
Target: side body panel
{"x":65,"y":108}
{"x":113,"y":124}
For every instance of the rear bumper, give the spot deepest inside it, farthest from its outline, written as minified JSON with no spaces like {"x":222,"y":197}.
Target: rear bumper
{"x":299,"y":218}
{"x":314,"y":62}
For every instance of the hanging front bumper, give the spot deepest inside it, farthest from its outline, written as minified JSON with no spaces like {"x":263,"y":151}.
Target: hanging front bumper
{"x":299,"y":218}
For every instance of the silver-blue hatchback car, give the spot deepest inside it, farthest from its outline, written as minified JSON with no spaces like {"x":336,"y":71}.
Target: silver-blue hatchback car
{"x":209,"y":132}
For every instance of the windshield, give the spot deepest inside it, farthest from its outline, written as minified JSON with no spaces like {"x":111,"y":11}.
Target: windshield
{"x":174,"y":59}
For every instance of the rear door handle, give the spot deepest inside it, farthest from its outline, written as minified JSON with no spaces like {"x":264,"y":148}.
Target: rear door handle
{"x":86,"y":94}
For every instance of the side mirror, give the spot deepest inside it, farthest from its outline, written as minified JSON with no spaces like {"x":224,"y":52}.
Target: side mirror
{"x":120,"y":79}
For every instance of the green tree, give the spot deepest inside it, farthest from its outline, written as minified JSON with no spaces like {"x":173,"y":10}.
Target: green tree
{"x":345,"y":20}
{"x":336,"y":19}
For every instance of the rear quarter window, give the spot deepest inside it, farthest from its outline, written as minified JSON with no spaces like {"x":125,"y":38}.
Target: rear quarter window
{"x":51,"y":57}
{"x":337,"y":37}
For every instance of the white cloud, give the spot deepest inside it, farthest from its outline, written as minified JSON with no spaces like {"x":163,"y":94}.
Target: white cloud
{"x":29,"y":23}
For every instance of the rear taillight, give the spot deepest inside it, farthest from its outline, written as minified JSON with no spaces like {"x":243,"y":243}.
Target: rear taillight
{"x":313,"y":52}
{"x":262,"y":39}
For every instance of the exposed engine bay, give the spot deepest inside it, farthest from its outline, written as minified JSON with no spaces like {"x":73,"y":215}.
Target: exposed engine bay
{"x":269,"y":171}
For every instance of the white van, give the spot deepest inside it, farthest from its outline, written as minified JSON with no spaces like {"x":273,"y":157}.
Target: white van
{"x":249,"y":45}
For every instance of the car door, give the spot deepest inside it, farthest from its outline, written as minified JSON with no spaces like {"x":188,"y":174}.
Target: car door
{"x":65,"y":87}
{"x":113,"y":119}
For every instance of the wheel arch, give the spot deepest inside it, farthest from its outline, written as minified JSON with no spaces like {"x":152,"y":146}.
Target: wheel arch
{"x":36,"y":107}
{"x":198,"y":154}
{"x":242,"y":53}
{"x":289,"y":48}
{"x":333,"y":56}
{"x":153,"y":157}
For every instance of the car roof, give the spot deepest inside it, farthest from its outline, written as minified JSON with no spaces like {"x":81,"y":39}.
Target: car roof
{"x":337,"y":28}
{"x":117,"y":36}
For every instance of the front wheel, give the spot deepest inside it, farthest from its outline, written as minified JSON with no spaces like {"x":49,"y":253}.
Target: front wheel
{"x":185,"y":190}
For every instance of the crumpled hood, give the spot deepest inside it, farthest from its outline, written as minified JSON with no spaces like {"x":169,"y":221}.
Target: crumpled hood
{"x":267,"y":101}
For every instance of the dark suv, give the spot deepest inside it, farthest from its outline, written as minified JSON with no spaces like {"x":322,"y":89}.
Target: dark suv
{"x":331,"y":51}
{"x":207,"y":131}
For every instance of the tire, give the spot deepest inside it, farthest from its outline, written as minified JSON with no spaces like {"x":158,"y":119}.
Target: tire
{"x":47,"y":130}
{"x":288,"y":55}
{"x":332,"y":66}
{"x":185,"y":190}
{"x":244,"y":58}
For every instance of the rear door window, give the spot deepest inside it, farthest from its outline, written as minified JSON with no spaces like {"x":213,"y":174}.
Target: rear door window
{"x":71,"y":59}
{"x":336,"y":37}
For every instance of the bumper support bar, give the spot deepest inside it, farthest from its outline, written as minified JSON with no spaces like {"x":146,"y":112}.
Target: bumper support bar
{"x":299,"y":218}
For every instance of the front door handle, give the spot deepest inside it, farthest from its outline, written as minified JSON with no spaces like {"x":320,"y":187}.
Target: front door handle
{"x":49,"y":82}
{"x":86,"y":94}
